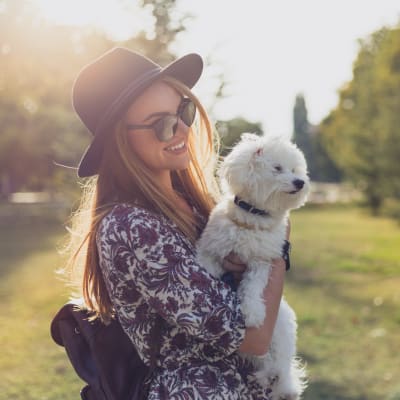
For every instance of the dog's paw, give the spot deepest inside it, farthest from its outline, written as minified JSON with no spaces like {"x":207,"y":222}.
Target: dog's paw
{"x":286,"y":390}
{"x":254,"y":317}
{"x":253,"y":311}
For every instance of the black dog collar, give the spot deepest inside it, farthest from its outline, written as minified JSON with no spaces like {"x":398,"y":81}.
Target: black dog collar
{"x":249,"y":208}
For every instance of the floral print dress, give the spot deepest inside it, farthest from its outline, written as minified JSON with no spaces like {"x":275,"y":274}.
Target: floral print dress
{"x":150,"y":268}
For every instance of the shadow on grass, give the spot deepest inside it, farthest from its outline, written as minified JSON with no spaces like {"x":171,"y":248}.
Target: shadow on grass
{"x":324,"y":390}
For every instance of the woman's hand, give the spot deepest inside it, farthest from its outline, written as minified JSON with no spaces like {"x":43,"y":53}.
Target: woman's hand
{"x":233,"y":264}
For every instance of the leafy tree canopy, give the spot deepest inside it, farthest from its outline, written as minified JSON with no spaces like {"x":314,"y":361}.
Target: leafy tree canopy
{"x":363,"y":133}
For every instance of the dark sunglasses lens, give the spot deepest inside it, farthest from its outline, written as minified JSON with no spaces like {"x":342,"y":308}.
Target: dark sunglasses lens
{"x":165,"y":128}
{"x":188,"y":112}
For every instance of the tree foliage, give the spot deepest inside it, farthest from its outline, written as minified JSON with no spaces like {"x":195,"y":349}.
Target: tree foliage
{"x":363,"y":133}
{"x":165,"y":30}
{"x":321,"y":167}
{"x":38,"y":127}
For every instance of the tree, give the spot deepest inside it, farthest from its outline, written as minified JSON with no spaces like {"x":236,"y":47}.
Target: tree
{"x":307,"y":137}
{"x":156,"y":44}
{"x":38,"y":64}
{"x":302,"y":129}
{"x":362,"y":134}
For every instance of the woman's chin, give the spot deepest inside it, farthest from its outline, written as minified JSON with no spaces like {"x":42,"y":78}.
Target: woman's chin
{"x":179,"y":162}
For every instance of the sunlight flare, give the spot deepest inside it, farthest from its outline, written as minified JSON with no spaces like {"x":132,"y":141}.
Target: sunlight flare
{"x":118,"y":19}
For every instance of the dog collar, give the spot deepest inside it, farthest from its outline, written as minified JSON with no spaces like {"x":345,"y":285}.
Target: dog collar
{"x":249,"y":208}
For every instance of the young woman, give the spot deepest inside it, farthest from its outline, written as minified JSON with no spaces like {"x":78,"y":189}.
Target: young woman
{"x":152,"y":189}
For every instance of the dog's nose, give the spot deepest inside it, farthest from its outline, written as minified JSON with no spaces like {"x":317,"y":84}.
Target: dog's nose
{"x":298,"y":183}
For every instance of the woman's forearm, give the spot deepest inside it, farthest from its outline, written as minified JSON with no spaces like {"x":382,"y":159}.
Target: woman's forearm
{"x":257,"y":340}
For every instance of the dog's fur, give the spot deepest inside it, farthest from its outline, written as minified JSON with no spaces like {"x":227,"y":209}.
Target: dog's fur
{"x":263,"y":172}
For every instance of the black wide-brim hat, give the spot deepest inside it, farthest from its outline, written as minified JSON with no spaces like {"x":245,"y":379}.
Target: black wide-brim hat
{"x":105,"y":88}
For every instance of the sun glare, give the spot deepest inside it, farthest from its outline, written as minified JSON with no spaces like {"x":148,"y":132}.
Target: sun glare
{"x":118,"y":19}
{"x":267,"y":52}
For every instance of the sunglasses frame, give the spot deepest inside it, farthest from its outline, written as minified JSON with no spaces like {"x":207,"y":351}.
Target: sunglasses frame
{"x":159,"y":130}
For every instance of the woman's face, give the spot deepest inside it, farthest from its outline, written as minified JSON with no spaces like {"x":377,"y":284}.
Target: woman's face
{"x":160,"y":157}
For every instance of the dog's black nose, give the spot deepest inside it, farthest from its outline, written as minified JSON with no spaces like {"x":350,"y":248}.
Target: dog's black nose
{"x":298,"y":183}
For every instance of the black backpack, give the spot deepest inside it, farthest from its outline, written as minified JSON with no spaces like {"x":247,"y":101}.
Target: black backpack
{"x":103,"y":355}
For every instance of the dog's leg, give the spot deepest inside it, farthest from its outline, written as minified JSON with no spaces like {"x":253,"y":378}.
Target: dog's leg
{"x":251,"y":290}
{"x":281,"y":359}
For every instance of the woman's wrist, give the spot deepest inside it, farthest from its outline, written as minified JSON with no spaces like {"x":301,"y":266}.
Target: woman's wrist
{"x":279,"y":263}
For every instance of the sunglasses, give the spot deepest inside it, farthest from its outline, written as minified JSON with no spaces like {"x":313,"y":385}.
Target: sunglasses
{"x":166,"y":126}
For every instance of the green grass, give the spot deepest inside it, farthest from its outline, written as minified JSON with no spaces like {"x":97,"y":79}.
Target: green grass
{"x":32,"y":366}
{"x":344,"y":287}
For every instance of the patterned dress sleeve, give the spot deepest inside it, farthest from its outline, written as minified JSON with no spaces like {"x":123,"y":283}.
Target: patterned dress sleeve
{"x":148,"y":252}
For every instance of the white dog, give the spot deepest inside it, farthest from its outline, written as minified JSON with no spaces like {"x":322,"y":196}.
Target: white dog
{"x":262,"y":179}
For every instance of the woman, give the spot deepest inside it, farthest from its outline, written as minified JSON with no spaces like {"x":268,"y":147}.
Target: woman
{"x":152,"y":191}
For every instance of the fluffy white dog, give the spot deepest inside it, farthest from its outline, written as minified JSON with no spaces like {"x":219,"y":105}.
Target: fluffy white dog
{"x":262,"y":179}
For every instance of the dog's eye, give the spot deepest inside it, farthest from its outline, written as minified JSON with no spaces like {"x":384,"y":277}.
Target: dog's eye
{"x":278,"y":168}
{"x":293,"y":170}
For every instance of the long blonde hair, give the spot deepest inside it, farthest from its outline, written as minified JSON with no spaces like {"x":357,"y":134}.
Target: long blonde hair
{"x":124,"y":178}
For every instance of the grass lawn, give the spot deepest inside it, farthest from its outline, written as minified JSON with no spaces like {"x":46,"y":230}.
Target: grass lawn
{"x":32,"y":366}
{"x":344,"y":287}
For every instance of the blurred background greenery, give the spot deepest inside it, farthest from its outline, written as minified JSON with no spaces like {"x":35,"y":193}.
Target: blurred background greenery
{"x":345,"y":282}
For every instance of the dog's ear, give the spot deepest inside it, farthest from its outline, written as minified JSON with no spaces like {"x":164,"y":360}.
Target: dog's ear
{"x":246,"y":136}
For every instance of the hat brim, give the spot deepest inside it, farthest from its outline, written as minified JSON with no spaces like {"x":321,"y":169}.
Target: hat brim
{"x":186,"y":69}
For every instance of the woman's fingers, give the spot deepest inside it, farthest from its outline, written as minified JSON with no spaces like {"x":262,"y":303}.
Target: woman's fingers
{"x":234,"y":258}
{"x":233,"y":263}
{"x":232,"y":267}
